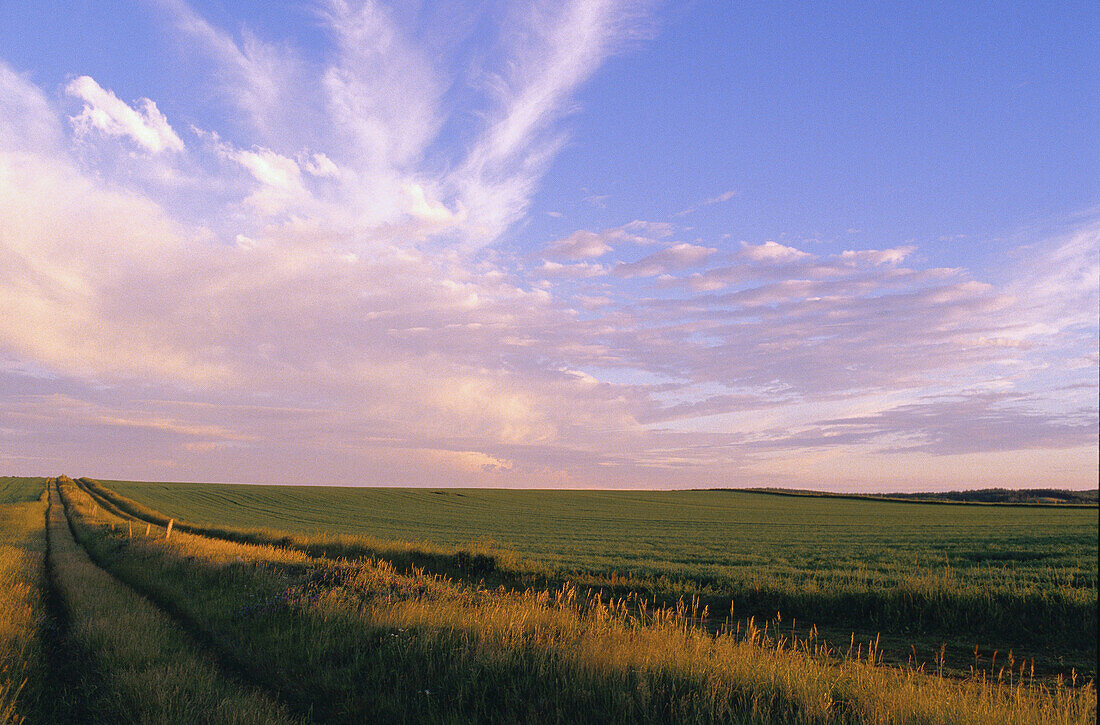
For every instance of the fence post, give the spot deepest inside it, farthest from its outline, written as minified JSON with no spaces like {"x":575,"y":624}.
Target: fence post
{"x":168,"y":531}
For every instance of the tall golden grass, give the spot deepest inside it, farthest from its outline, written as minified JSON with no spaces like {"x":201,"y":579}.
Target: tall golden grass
{"x":362,"y":639}
{"x":1045,"y":608}
{"x":22,"y":548}
{"x":148,"y":670}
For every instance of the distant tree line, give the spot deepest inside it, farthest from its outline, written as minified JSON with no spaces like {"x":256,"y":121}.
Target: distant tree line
{"x":1045,"y":496}
{"x":1006,"y":495}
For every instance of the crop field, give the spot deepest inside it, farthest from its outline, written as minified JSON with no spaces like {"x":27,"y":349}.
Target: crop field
{"x":998,"y":578}
{"x":139,"y":602}
{"x":20,"y":490}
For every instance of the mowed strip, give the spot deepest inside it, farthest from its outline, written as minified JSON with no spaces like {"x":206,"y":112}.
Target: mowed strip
{"x":149,"y":670}
{"x":362,"y":642}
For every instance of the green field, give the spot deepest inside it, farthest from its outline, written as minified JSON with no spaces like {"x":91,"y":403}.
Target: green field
{"x":20,"y":490}
{"x":994,"y":577}
{"x":144,"y":603}
{"x":696,"y":534}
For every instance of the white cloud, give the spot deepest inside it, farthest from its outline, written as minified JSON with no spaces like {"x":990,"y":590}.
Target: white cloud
{"x":772,"y":253}
{"x":426,"y":209}
{"x":583,"y":270}
{"x":320,"y":165}
{"x":893,"y":256}
{"x":269,"y":168}
{"x":281,"y":187}
{"x":104,"y":112}
{"x":584,"y":244}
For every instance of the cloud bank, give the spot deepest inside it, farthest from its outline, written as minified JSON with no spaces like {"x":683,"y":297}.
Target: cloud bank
{"x":329,"y":301}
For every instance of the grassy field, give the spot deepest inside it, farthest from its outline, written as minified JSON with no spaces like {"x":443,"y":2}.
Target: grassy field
{"x":135,"y":663}
{"x":20,"y":490}
{"x":22,"y":610}
{"x":109,"y":617}
{"x":995,"y":578}
{"x":433,"y":649}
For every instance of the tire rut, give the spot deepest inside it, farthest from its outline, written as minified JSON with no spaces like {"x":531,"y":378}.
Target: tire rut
{"x":203,"y":639}
{"x":73,"y":687}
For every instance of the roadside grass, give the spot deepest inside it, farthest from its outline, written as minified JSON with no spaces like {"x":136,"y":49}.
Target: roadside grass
{"x":361,"y":640}
{"x":985,"y":579}
{"x":146,"y":669}
{"x":22,"y":548}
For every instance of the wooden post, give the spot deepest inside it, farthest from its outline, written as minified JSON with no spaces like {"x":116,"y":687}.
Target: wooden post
{"x":129,"y":529}
{"x":168,"y":531}
{"x":147,"y":527}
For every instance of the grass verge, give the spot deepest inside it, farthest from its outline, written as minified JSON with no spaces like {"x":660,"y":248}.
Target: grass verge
{"x":149,"y":670}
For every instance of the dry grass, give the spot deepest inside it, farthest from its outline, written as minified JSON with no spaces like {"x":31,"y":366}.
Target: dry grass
{"x":22,"y":547}
{"x":1004,"y":578}
{"x":362,"y":640}
{"x":148,"y":669}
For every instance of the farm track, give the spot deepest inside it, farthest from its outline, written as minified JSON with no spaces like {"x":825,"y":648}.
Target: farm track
{"x":257,"y":675}
{"x":72,"y":673}
{"x":280,"y":667}
{"x":74,"y":670}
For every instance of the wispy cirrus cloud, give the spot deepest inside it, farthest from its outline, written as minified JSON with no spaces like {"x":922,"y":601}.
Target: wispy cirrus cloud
{"x":382,"y":90}
{"x":321,"y":292}
{"x":262,"y":79}
{"x":550,"y":50}
{"x":717,"y":199}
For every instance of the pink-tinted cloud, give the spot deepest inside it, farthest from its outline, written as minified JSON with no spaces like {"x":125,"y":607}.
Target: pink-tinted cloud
{"x":772,"y":253}
{"x":674,"y":258}
{"x":313,"y":301}
{"x":584,"y":244}
{"x":105,"y":113}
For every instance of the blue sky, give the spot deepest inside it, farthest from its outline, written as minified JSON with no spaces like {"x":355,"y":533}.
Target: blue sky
{"x":528,"y":244}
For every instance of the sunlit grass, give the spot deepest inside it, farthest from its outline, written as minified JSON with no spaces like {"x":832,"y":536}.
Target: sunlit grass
{"x":22,"y":547}
{"x":998,"y":577}
{"x":362,"y":639}
{"x":147,"y":669}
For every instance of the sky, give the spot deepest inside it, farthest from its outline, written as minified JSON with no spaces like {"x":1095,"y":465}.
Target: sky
{"x":837,"y":246}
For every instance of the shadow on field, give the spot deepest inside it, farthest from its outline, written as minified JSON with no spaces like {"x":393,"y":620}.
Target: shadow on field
{"x":334,"y":665}
{"x":71,"y":690}
{"x":361,"y":641}
{"x":917,"y":618}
